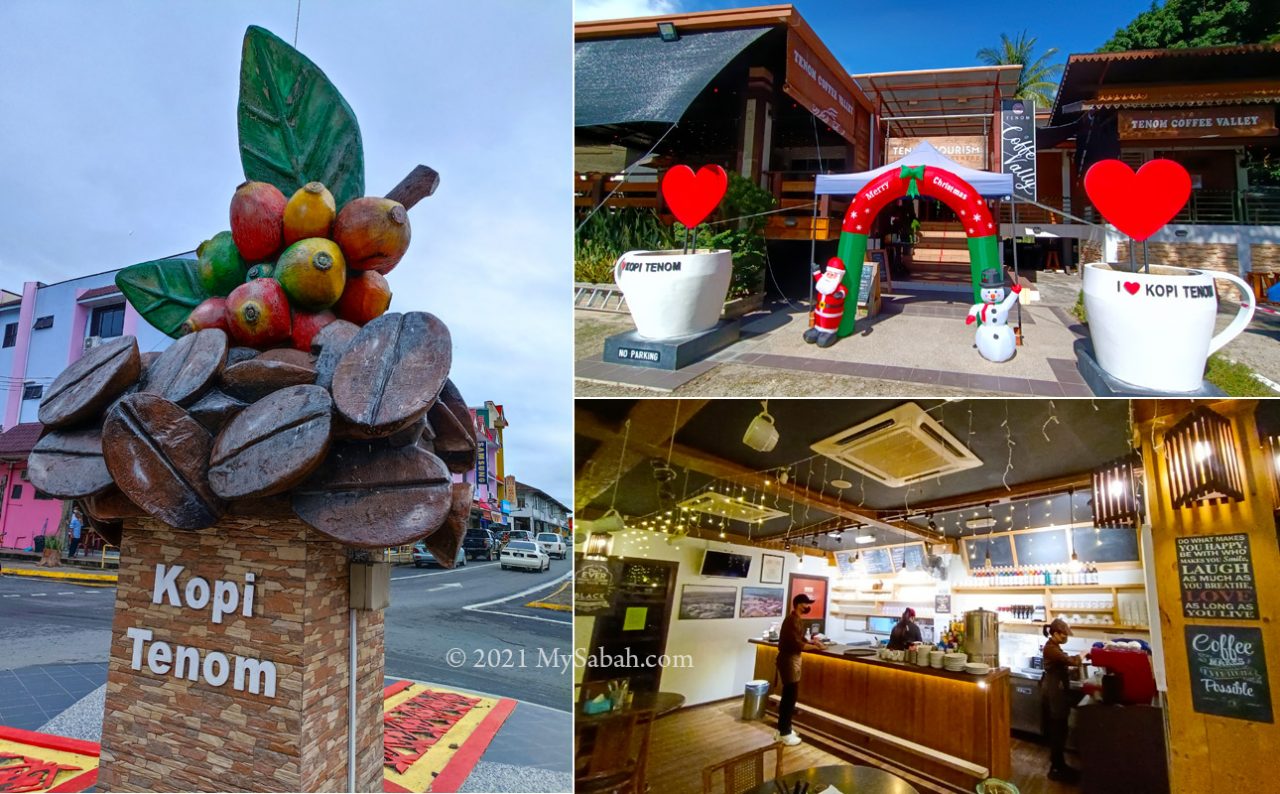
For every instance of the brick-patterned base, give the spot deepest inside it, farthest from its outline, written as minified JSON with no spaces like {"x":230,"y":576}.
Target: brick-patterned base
{"x":164,"y":733}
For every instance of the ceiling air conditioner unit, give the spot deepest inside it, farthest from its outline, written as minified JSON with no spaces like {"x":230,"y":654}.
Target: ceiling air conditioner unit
{"x":92,"y":341}
{"x":899,"y":447}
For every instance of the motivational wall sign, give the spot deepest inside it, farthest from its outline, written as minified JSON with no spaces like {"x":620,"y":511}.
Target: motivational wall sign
{"x":1228,"y":672}
{"x":1216,"y":574}
{"x":223,"y":600}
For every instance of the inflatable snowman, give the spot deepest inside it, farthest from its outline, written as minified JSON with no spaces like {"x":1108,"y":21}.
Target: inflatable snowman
{"x":994,"y":339}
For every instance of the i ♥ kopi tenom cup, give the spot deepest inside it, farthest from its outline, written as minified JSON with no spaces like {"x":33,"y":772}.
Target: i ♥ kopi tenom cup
{"x":1155,"y":329}
{"x":673,"y":294}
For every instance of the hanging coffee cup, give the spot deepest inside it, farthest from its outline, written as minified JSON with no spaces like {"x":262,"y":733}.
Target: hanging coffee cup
{"x":761,"y":435}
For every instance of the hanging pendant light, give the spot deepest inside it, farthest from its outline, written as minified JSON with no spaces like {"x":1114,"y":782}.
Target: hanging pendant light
{"x":1117,"y":493}
{"x":1074,"y":566}
{"x":1203,"y":464}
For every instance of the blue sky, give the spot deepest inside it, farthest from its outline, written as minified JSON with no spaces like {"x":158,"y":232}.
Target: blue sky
{"x":120,"y":146}
{"x":919,"y":34}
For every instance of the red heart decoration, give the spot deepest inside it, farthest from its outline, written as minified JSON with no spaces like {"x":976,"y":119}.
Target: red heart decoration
{"x":692,"y":198}
{"x":1138,"y":204}
{"x":1131,"y":287}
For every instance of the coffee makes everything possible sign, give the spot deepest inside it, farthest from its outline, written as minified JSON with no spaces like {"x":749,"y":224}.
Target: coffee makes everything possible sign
{"x":1228,"y":672}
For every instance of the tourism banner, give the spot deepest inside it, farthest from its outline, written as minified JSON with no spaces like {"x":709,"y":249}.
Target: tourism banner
{"x":1018,"y":145}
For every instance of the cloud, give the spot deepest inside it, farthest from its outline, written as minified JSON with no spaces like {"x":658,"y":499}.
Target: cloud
{"x":584,"y":10}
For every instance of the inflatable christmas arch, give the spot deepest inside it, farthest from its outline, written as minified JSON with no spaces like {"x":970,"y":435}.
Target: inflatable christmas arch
{"x":912,"y":181}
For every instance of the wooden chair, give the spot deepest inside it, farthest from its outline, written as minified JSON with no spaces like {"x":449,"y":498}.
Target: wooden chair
{"x":616,"y":761}
{"x":744,"y":772}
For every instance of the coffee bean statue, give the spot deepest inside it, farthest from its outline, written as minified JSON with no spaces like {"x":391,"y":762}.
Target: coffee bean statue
{"x":444,"y":542}
{"x":89,"y":385}
{"x":159,"y":456}
{"x":68,"y":464}
{"x":372,"y":495}
{"x":455,"y":431}
{"x":215,"y":409}
{"x":187,"y":369}
{"x":329,"y":344}
{"x":273,"y":444}
{"x":237,"y":354}
{"x":392,"y":372}
{"x":254,"y":379}
{"x":110,"y":531}
{"x":111,"y":505}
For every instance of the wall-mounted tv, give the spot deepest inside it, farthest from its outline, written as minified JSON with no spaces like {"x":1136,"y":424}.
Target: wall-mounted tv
{"x":722,"y":563}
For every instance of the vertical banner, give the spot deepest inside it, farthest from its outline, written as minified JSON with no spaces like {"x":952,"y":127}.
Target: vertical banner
{"x":1018,"y":145}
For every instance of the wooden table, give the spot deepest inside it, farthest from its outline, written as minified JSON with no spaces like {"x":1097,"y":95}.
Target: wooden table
{"x":659,"y":704}
{"x":848,"y":778}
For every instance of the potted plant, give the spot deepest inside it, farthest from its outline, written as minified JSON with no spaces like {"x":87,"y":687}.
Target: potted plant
{"x":51,"y":557}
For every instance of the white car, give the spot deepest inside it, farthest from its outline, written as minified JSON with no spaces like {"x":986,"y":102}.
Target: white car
{"x":552,"y":544}
{"x":524,"y":554}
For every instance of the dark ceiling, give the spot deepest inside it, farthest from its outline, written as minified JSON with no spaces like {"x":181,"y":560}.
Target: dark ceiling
{"x":1086,"y":434}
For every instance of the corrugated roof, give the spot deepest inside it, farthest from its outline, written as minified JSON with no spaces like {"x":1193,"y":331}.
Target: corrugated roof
{"x":1198,"y":95}
{"x":18,"y":441}
{"x":940,"y":92}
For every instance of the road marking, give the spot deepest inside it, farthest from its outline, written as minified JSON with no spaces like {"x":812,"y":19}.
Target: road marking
{"x":441,"y":573}
{"x":66,"y":592}
{"x":37,"y":595}
{"x":444,"y":586}
{"x":13,"y":595}
{"x":480,"y":607}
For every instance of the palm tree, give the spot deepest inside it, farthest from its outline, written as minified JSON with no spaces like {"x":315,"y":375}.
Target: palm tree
{"x":1038,"y":79}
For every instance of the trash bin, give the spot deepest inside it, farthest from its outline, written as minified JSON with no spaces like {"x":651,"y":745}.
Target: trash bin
{"x":754,"y":698}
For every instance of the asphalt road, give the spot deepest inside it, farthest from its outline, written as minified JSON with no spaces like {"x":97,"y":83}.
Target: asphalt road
{"x":463,"y":628}
{"x":46,"y":621}
{"x":502,"y":647}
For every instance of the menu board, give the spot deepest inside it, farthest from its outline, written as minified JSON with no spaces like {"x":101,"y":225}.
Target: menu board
{"x":844,"y":561}
{"x":1106,"y":544}
{"x":1042,"y":548}
{"x":1216,"y":574}
{"x":908,"y":558}
{"x":1228,"y":672}
{"x":999,"y":546}
{"x":877,"y":561}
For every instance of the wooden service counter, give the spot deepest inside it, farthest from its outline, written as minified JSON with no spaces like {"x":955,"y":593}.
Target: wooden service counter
{"x":949,"y":726}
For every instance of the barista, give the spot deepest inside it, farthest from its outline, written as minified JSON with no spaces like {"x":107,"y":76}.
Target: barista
{"x":1057,"y":698}
{"x":791,"y":644}
{"x":905,"y":631}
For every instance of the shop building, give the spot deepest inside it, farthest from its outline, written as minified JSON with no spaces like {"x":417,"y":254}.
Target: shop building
{"x":537,"y":511}
{"x":488,"y":510}
{"x":45,"y":328}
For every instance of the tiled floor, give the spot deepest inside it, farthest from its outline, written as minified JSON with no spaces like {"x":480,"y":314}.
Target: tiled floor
{"x":35,"y":695}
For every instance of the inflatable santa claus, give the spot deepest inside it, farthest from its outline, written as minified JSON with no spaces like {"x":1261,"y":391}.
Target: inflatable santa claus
{"x":830,"y":307}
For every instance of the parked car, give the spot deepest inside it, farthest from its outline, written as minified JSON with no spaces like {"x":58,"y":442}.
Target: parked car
{"x":553,"y":545}
{"x":423,"y":556}
{"x":524,"y":554}
{"x":481,"y":543}
{"x":519,"y":534}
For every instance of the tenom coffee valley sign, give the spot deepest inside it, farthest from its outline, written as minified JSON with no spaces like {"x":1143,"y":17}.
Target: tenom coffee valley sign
{"x":1224,"y":122}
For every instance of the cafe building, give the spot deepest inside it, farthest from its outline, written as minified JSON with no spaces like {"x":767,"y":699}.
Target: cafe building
{"x":1146,"y":529}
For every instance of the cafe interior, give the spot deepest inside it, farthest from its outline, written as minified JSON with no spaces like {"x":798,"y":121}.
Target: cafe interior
{"x":1148,"y":527}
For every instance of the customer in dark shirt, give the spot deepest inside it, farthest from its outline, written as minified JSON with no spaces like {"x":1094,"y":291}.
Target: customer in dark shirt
{"x":791,"y":643}
{"x":1056,"y":698}
{"x":905,"y":632}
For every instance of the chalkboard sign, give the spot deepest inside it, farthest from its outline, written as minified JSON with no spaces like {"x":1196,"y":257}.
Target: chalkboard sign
{"x":1216,"y":574}
{"x":1228,"y":672}
{"x":1000,"y":546}
{"x":1042,"y":548}
{"x":864,"y":286}
{"x":1106,"y":544}
{"x":844,"y":561}
{"x":942,"y":604}
{"x":909,"y":558}
{"x":877,"y":561}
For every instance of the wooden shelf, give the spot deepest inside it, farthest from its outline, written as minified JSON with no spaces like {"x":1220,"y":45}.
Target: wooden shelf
{"x":1051,"y":588}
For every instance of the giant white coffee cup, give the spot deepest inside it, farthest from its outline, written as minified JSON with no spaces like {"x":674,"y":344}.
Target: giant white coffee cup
{"x":1155,"y":330}
{"x":672,"y":294}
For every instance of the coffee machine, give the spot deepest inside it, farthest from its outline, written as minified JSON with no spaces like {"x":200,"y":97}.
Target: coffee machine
{"x":1128,"y":679}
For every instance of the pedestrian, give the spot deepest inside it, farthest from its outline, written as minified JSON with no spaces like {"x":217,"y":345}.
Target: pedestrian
{"x":76,"y":526}
{"x":791,"y":643}
{"x":1056,"y":698}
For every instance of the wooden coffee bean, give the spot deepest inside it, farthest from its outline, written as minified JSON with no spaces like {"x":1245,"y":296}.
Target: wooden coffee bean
{"x":159,"y":457}
{"x":149,"y":358}
{"x":273,"y":444}
{"x":289,"y":356}
{"x":111,"y":505}
{"x":410,"y":435}
{"x":444,"y":542}
{"x":215,"y":409}
{"x":68,"y":464}
{"x":237,"y":354}
{"x":329,"y":344}
{"x":371,"y":495}
{"x":455,"y":430}
{"x":254,"y":379}
{"x":110,"y":531}
{"x":392,"y":372}
{"x":187,"y":369}
{"x":89,"y":385}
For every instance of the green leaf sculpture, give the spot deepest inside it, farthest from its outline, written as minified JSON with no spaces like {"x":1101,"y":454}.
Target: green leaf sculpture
{"x":294,"y":126}
{"x":164,"y":291}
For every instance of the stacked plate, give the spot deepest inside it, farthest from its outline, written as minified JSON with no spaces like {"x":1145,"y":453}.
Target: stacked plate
{"x":977,"y":668}
{"x":954,"y":662}
{"x":935,"y":658}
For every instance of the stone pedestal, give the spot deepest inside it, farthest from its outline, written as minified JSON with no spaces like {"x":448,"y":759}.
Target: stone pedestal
{"x":226,"y":730}
{"x":634,"y":350}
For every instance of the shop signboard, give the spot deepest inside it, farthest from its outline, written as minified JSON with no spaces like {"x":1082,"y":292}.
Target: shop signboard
{"x":1018,"y":145}
{"x":1216,"y":575}
{"x":818,"y":87}
{"x":1228,"y":672}
{"x":967,"y":150}
{"x":1221,"y":122}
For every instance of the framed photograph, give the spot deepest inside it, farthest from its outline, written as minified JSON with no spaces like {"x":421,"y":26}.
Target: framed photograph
{"x":813,"y":586}
{"x":771,"y":568}
{"x":761,"y":602}
{"x":707,"y":602}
